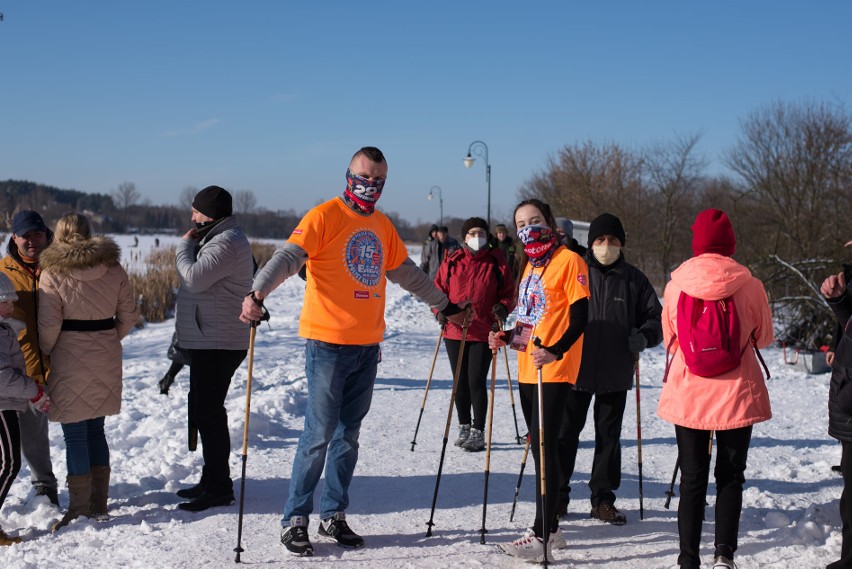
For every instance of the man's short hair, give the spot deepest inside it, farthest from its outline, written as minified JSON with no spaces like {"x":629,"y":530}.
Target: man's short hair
{"x":372,"y":153}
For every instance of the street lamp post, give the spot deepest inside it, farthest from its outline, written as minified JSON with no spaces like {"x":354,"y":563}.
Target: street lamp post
{"x":440,"y":202}
{"x":481,"y":149}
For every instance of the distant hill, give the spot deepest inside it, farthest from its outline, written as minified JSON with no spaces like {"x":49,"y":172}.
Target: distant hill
{"x":50,"y":201}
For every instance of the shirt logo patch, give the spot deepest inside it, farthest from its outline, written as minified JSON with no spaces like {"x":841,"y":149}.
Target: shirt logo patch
{"x":362,"y":294}
{"x":363,"y":257}
{"x":581,"y":278}
{"x":532,"y":300}
{"x":297,"y":232}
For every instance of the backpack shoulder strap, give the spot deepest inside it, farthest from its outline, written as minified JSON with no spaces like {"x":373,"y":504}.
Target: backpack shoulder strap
{"x":753,"y":341}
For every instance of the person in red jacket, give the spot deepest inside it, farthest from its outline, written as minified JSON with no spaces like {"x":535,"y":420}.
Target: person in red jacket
{"x":480,"y":274}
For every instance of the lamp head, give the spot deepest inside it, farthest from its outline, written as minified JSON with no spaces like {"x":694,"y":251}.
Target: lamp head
{"x":468,"y":161}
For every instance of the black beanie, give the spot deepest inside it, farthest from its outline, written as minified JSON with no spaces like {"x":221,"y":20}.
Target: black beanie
{"x":214,"y":202}
{"x":606,"y":224}
{"x":471,"y":223}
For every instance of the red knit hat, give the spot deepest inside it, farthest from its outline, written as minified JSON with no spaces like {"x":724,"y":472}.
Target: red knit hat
{"x":712,"y":232}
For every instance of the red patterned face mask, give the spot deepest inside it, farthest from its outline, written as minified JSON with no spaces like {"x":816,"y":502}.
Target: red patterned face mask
{"x":539,"y":243}
{"x":363,"y":191}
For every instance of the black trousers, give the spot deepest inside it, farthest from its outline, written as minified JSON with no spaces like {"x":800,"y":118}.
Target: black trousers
{"x":606,"y":465}
{"x":554,"y":398}
{"x":845,"y":561}
{"x":209,"y":378}
{"x":472,"y":380}
{"x":693,"y":448}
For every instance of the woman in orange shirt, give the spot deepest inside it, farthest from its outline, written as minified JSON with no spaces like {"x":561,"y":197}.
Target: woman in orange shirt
{"x":553,"y":296}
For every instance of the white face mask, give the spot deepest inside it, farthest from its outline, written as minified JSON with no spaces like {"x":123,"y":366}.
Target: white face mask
{"x":476,"y":243}
{"x":606,"y":254}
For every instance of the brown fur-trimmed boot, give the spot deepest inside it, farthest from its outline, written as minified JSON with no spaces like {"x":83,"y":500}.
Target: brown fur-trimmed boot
{"x":80,"y":492}
{"x":100,"y":492}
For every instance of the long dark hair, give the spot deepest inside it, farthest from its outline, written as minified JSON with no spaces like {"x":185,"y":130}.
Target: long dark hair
{"x":549,"y":220}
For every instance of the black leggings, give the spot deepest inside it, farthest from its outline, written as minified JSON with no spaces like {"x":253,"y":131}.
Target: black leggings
{"x":555,"y":400}
{"x":693,"y":448}
{"x":10,"y":451}
{"x":472,"y":379}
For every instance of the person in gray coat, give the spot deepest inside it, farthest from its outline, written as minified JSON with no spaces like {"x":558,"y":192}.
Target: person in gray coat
{"x":624,"y":319}
{"x":215,"y":266}
{"x":438,"y":250}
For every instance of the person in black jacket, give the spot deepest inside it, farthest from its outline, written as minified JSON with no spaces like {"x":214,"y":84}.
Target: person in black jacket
{"x":624,"y":319}
{"x":836,"y":291}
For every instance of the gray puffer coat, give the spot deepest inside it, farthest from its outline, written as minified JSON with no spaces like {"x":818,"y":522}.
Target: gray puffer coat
{"x":16,"y":389}
{"x":215,"y":276}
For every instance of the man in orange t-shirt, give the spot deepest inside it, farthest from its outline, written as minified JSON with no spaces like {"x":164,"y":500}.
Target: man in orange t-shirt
{"x":349,"y":248}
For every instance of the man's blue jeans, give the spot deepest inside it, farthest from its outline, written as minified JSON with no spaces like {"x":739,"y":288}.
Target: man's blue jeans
{"x":340,"y":389}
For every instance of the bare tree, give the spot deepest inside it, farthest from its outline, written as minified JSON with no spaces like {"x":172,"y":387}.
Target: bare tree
{"x":125,"y":196}
{"x":794,"y":162}
{"x":244,"y":201}
{"x":186,"y":196}
{"x":583,"y":181}
{"x":674,"y":173}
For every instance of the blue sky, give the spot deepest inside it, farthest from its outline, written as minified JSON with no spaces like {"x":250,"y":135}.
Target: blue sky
{"x":275,"y":96}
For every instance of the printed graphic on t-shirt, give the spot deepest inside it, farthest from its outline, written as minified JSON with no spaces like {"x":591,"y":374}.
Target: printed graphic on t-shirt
{"x":363,"y":257}
{"x":532,"y":299}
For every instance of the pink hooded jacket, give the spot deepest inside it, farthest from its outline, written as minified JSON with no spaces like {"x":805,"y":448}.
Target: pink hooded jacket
{"x":737,"y":398}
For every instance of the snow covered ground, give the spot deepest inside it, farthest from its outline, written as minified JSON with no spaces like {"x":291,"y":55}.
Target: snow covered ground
{"x":789,"y":515}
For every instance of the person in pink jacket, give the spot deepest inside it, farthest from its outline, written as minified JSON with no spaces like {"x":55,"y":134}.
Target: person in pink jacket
{"x":729,"y":404}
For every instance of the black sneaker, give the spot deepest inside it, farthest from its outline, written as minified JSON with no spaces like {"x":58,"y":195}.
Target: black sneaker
{"x":207,"y":500}
{"x":191,"y":493}
{"x":51,"y":494}
{"x":608,"y":513}
{"x":337,"y":529}
{"x":295,"y":538}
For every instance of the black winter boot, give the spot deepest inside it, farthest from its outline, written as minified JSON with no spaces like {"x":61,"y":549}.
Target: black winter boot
{"x":165,"y":383}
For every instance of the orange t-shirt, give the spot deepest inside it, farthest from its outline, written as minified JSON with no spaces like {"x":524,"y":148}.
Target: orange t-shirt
{"x":544,"y":301}
{"x":348,"y":255}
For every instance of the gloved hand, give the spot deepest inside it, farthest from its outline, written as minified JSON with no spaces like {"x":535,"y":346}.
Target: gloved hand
{"x":636,"y":341}
{"x":442,"y":320}
{"x":460,"y":314}
{"x":41,"y":402}
{"x":500,"y":312}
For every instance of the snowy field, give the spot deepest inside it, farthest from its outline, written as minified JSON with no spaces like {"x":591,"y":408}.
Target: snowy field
{"x":789,"y":517}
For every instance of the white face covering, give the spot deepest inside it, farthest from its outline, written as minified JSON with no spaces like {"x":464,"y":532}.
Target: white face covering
{"x":476,"y":243}
{"x":606,"y":254}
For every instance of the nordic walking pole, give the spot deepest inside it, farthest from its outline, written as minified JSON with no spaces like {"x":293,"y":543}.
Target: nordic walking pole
{"x":518,"y":438}
{"x":428,"y":382}
{"x":520,"y":477}
{"x":670,"y":492}
{"x":429,"y":524}
{"x":239,"y":548}
{"x":482,"y":530}
{"x":639,"y":436}
{"x":545,"y":521}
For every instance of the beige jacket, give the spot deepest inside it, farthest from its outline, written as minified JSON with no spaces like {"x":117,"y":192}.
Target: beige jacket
{"x":83,"y":280}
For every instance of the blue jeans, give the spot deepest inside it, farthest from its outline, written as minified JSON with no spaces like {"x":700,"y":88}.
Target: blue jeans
{"x":340,"y":389}
{"x":85,"y":446}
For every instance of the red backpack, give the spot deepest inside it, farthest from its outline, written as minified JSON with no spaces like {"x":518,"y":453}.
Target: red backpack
{"x":709,"y":332}
{"x":709,"y":336}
